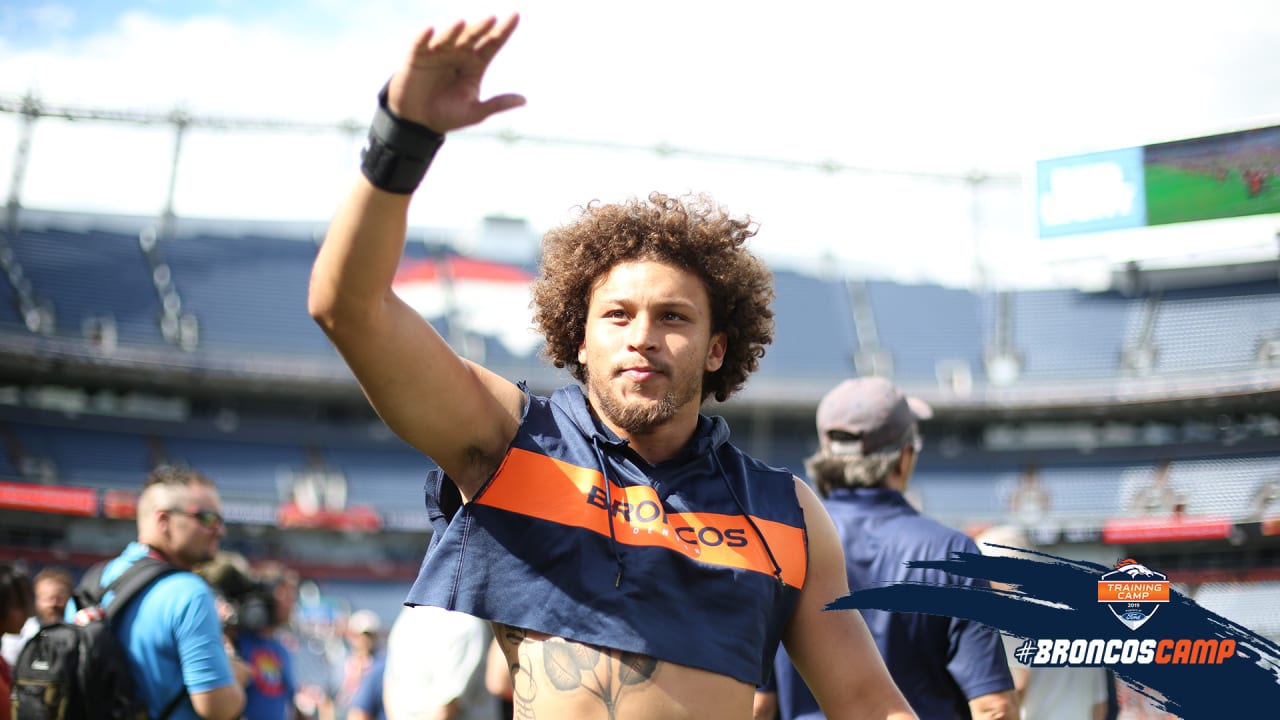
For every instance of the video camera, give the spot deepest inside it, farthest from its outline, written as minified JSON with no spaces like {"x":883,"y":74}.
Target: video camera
{"x":252,"y":604}
{"x":255,"y":609}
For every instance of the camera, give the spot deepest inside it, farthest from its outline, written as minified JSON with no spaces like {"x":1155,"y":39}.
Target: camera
{"x":250,"y":605}
{"x":254,"y":609}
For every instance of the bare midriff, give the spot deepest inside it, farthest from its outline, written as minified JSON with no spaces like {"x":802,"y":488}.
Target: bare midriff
{"x":559,"y":679}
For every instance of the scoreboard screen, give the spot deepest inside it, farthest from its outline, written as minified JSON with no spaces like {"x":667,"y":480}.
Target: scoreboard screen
{"x":1206,"y":178}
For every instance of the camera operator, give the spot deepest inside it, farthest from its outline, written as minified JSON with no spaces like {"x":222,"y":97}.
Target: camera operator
{"x":250,"y":615}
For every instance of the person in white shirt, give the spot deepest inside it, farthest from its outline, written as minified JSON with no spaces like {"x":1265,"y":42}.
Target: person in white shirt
{"x":1046,"y":693}
{"x":435,"y":667}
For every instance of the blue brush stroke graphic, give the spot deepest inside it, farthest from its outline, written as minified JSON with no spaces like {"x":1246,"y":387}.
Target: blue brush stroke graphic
{"x":1056,"y":597}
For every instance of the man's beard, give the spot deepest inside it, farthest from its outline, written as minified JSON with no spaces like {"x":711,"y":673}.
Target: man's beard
{"x":639,"y":417}
{"x":196,"y":556}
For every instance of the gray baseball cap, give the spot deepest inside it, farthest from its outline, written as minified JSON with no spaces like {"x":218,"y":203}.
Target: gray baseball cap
{"x":872,"y":410}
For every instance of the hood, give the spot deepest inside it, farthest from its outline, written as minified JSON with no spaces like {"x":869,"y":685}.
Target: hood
{"x":709,"y":435}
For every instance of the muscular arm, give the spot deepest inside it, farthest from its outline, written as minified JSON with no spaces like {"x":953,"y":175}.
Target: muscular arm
{"x":455,"y":411}
{"x":833,"y":650}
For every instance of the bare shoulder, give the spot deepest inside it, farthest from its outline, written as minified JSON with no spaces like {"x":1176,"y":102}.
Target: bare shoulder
{"x":805,"y":494}
{"x":817,"y":520}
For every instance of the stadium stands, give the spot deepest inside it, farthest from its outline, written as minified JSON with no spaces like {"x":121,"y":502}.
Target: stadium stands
{"x":925,"y":327}
{"x":91,"y":277}
{"x":243,"y":469}
{"x":248,"y":292}
{"x":87,"y":458}
{"x":1075,"y":492}
{"x":958,"y":497}
{"x":1065,"y":334}
{"x":10,"y":312}
{"x":263,"y":404}
{"x":1214,"y":487}
{"x":806,"y":304}
{"x":390,"y":481}
{"x":1251,"y":605}
{"x":1206,"y":330}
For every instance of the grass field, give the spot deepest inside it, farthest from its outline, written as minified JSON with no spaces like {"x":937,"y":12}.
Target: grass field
{"x":1176,"y":195}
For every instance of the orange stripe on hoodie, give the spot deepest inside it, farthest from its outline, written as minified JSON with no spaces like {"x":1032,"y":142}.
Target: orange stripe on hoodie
{"x":538,"y":486}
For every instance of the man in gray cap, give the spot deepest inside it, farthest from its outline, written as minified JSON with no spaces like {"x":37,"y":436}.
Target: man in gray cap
{"x":946,"y":667}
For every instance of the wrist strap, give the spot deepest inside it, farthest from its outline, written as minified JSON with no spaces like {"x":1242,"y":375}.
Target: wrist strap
{"x":399,"y":151}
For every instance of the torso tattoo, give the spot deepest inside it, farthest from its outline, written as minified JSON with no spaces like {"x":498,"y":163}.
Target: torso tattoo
{"x":551,"y":664}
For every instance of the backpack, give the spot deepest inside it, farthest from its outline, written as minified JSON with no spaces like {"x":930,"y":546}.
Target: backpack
{"x":69,"y":671}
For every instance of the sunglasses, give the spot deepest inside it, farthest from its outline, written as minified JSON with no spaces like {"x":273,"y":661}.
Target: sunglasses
{"x":208,"y":518}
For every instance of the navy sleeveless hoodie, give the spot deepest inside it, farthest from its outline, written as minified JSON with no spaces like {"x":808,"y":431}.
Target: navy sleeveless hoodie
{"x":697,"y":560}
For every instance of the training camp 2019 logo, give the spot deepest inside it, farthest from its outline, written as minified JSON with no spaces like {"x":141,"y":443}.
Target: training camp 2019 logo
{"x":1133,"y":593}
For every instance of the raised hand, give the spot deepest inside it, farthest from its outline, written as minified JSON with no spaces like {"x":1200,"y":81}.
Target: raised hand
{"x":439,"y":84}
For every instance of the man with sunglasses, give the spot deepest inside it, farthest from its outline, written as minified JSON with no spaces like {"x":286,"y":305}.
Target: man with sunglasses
{"x":869,"y":445}
{"x":171,"y":631}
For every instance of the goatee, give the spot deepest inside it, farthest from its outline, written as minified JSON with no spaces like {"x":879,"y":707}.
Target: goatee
{"x":639,"y":417}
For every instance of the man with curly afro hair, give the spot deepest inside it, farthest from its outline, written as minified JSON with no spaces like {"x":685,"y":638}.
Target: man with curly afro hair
{"x":632,"y":561}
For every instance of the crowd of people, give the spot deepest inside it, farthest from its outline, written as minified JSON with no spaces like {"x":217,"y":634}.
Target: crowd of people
{"x":438,"y":663}
{"x":602,"y":552}
{"x":220,"y":638}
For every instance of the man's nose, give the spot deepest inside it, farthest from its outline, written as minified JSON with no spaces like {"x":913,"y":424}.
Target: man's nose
{"x":640,"y":333}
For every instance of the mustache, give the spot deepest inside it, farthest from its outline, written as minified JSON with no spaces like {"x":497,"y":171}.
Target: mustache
{"x":660,"y":368}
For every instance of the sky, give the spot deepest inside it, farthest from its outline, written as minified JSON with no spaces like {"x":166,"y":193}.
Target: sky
{"x":904,"y":103}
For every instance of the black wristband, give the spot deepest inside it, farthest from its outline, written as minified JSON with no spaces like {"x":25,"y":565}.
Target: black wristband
{"x":398,"y":152}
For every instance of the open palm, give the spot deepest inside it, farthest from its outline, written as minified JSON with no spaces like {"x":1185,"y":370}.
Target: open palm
{"x":439,"y":85}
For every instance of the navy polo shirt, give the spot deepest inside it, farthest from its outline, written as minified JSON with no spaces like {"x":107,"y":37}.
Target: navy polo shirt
{"x":939,"y":663}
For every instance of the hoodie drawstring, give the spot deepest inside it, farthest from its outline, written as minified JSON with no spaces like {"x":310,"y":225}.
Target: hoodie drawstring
{"x":724,"y":477}
{"x":777,"y":569}
{"x":608,"y":500}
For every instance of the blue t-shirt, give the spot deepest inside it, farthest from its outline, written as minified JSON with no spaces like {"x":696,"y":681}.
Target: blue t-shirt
{"x":269,"y":695}
{"x":172,"y":635}
{"x":939,"y":663}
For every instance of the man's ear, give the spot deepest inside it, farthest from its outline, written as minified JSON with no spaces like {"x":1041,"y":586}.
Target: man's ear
{"x":905,"y":457}
{"x":716,"y":350}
